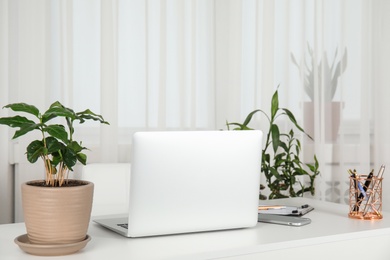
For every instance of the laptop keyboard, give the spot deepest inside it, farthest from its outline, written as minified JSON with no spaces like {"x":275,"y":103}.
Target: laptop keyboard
{"x":126,"y":226}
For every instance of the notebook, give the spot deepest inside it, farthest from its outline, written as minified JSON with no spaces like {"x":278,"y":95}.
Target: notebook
{"x":285,"y":210}
{"x":191,"y":181}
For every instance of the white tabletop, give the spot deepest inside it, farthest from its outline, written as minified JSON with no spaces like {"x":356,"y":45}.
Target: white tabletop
{"x":330,"y":223}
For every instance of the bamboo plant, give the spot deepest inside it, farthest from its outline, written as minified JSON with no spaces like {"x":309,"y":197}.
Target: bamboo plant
{"x":57,"y":148}
{"x":281,"y":163}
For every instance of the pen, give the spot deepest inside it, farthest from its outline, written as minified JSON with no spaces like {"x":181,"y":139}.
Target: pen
{"x":374,"y":187}
{"x":362,"y":192}
{"x":364,"y":188}
{"x":368,"y":180}
{"x":353,"y":176}
{"x":271,"y":207}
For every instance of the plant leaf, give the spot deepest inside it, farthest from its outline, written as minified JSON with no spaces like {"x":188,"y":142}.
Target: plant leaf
{"x":34,"y":150}
{"x":56,"y":111}
{"x":57,"y":131}
{"x":15,"y":121}
{"x":275,"y":173}
{"x":81,"y":157}
{"x":311,"y":167}
{"x":284,"y":146}
{"x":25,"y":128}
{"x":69,"y":157}
{"x":274,"y":105}
{"x":76,"y":147}
{"x":88,"y":114}
{"x":299,"y":171}
{"x":53,"y":145}
{"x":316,"y":162}
{"x":275,"y":137}
{"x":294,"y":121}
{"x":56,"y":158}
{"x":240,"y":126}
{"x":23,"y":123}
{"x":249,"y":117}
{"x":23,"y":107}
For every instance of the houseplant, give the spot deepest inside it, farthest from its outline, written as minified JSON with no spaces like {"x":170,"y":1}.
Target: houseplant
{"x":326,"y":75}
{"x":281,"y":163}
{"x":52,"y":210}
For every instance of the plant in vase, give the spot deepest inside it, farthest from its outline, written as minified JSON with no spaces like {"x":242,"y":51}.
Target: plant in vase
{"x":52,"y":207}
{"x":327,"y":79}
{"x":281,"y":163}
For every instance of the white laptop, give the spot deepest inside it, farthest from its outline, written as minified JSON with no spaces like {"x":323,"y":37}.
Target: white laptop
{"x":191,"y":181}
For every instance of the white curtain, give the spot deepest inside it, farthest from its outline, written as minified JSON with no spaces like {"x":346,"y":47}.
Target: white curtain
{"x":193,"y":64}
{"x":6,"y":176}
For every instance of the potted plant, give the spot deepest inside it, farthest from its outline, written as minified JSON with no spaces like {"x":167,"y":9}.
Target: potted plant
{"x":56,"y":209}
{"x":281,"y":163}
{"x":328,"y":77}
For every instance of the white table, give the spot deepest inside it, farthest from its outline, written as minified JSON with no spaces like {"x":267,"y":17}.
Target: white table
{"x":331,"y":234}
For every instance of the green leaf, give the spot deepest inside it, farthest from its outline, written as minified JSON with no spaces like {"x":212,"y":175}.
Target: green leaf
{"x":15,"y":121}
{"x":25,"y":125}
{"x":299,"y":171}
{"x":81,"y":157}
{"x":296,"y":161}
{"x":284,"y":146}
{"x":294,"y":121}
{"x":250,"y":115}
{"x":57,"y":104}
{"x":278,"y":158}
{"x":298,"y":144}
{"x":274,"y":105}
{"x":76,"y":147}
{"x":240,"y":126}
{"x":314,"y":167}
{"x":34,"y":150}
{"x":88,"y":114}
{"x":311,"y":167}
{"x":23,"y":107}
{"x":57,"y":131}
{"x":292,"y":118}
{"x":25,"y":128}
{"x":56,"y":158}
{"x":53,"y":145}
{"x":275,"y":137}
{"x":69,"y":157}
{"x":57,"y":112}
{"x":266,"y":157}
{"x":275,"y":173}
{"x":280,"y":196}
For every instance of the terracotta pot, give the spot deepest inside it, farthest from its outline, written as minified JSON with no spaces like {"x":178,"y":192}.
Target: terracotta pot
{"x":57,"y":215}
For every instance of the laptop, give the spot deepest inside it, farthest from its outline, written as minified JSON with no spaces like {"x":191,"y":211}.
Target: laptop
{"x":191,"y":181}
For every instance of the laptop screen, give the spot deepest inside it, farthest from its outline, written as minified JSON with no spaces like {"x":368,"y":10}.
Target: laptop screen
{"x":191,"y":181}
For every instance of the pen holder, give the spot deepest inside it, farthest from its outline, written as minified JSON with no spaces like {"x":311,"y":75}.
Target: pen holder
{"x":365,"y":197}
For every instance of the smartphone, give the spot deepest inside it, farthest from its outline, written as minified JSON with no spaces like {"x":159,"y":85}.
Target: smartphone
{"x":284,"y":220}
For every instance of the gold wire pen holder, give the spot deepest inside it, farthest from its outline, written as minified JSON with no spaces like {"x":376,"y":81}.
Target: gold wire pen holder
{"x":365,"y":197}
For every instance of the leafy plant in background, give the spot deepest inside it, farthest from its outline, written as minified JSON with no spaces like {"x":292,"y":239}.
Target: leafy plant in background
{"x":281,"y":163}
{"x":57,"y":148}
{"x":328,"y":75}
